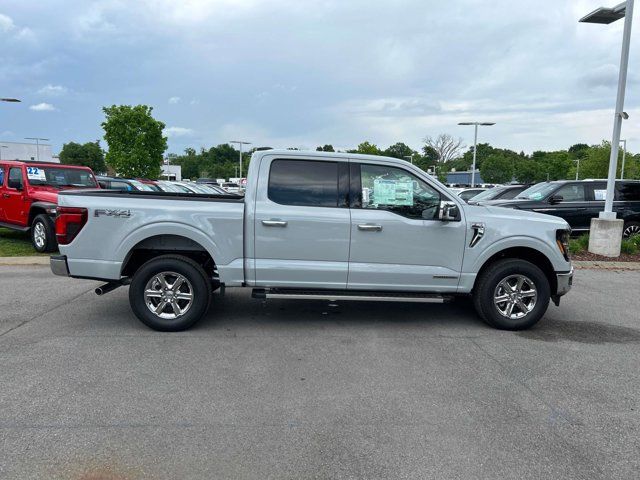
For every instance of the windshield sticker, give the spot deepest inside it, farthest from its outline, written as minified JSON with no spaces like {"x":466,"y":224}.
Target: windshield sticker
{"x":35,"y":173}
{"x":392,"y":192}
{"x":600,"y":194}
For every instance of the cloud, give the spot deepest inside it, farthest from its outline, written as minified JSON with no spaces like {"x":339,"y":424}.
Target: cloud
{"x":173,"y":132}
{"x":42,"y":107}
{"x":6,"y":23}
{"x":53,"y":90}
{"x":174,"y":100}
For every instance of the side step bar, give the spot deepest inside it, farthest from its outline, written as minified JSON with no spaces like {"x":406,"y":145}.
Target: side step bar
{"x":351,"y":295}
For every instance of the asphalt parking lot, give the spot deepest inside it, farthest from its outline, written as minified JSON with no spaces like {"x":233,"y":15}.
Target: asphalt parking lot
{"x":293,"y":389}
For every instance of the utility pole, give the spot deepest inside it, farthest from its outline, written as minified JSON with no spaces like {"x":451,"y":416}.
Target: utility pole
{"x":475,"y":146}
{"x":240,"y":143}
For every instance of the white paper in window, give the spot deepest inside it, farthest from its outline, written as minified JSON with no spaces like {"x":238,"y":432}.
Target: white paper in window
{"x":600,"y":194}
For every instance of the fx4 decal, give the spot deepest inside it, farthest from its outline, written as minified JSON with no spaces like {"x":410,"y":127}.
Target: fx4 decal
{"x":117,"y":213}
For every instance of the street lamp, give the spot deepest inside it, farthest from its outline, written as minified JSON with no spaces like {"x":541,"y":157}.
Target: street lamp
{"x":475,"y":146}
{"x":577,"y":167}
{"x":624,"y":154}
{"x":11,"y":100}
{"x":37,"y":139}
{"x":240,"y":143}
{"x":606,"y":231}
{"x":410,"y":157}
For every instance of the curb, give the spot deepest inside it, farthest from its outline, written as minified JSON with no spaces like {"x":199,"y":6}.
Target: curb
{"x":24,"y":260}
{"x":605,"y":265}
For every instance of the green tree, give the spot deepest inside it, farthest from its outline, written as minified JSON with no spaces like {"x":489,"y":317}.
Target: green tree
{"x":527,"y":171}
{"x":135,"y":140}
{"x":367,"y":148}
{"x":400,"y":150}
{"x":89,"y":154}
{"x":325,"y":148}
{"x":497,"y":168}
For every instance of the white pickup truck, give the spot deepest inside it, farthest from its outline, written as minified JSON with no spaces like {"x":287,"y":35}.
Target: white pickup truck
{"x":315,"y":225}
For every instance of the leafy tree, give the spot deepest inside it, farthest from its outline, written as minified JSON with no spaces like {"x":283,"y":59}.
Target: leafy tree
{"x":367,"y":148}
{"x":135,"y":140}
{"x":325,"y":148}
{"x":89,"y":154}
{"x":400,"y":150}
{"x":579,"y":150}
{"x":497,"y":169}
{"x":527,"y":171}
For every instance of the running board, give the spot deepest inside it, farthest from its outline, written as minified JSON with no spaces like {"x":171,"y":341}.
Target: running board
{"x":351,"y":295}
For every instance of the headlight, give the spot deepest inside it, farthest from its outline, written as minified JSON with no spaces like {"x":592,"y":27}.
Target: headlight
{"x":562,"y":240}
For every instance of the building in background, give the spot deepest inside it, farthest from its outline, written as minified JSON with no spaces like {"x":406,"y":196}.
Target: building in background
{"x":27,"y":152}
{"x":463,"y":178}
{"x":171,"y":172}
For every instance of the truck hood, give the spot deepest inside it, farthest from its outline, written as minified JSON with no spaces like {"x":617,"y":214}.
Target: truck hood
{"x":484,"y":212}
{"x":44,"y":195}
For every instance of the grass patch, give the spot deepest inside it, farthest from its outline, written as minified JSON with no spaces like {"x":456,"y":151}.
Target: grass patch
{"x":16,"y":244}
{"x":579,"y":244}
{"x":630,"y":245}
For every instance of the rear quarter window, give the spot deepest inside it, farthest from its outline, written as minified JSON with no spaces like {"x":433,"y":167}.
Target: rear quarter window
{"x":628,"y":192}
{"x":303,"y":183}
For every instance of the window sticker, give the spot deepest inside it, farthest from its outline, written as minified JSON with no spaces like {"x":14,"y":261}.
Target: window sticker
{"x":392,"y":192}
{"x":35,"y":173}
{"x":600,"y":194}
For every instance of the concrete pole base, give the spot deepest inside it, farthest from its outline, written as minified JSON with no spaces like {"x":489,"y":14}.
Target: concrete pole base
{"x":605,"y":236}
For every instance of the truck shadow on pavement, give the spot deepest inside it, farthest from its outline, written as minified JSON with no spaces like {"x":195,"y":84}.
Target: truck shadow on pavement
{"x":551,"y":330}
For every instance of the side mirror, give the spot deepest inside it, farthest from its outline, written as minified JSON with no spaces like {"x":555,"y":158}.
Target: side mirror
{"x":15,"y":183}
{"x":449,"y":212}
{"x":555,"y":199}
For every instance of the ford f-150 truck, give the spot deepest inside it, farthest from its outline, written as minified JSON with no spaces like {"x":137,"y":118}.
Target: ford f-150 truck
{"x":29,"y":194}
{"x":315,"y":225}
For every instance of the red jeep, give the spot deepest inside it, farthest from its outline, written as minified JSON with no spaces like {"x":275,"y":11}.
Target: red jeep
{"x":29,"y":196}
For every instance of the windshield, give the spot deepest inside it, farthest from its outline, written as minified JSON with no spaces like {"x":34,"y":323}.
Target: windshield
{"x":141,"y":186}
{"x":60,"y":177}
{"x":538,"y":191}
{"x":487,"y":194}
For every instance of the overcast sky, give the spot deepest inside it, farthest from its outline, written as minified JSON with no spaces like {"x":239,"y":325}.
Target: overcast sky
{"x":303,"y":73}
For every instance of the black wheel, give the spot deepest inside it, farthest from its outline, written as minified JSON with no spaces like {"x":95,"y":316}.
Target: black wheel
{"x":511,"y":294}
{"x":631,"y":228}
{"x":170,"y":293}
{"x":43,"y":234}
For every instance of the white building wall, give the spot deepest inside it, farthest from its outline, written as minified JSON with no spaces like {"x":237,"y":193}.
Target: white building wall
{"x":26,"y":151}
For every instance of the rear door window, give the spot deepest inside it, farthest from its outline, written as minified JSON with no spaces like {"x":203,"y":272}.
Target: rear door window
{"x":304,"y":183}
{"x":628,"y":191}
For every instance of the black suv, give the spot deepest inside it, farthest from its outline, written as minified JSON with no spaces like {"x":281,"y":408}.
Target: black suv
{"x":580,"y":201}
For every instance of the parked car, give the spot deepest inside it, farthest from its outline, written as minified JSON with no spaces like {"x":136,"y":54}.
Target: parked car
{"x":208,"y":181}
{"x":153,"y":184}
{"x":579,"y":201}
{"x":231,"y":187}
{"x":306,"y":229}
{"x":501,"y":192}
{"x":167,"y":186}
{"x":468,"y":193}
{"x":122,"y":184}
{"x":29,"y":196}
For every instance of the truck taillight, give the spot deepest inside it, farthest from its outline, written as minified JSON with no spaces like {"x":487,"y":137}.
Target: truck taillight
{"x":69,"y":222}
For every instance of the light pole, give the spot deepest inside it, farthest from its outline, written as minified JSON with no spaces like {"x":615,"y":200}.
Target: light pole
{"x":37,"y":139}
{"x":11,"y":100}
{"x":410,"y":157}
{"x":577,"y":168}
{"x":1,"y":147}
{"x":475,"y":146}
{"x":240,"y":143}
{"x":606,"y":231}
{"x":624,"y":154}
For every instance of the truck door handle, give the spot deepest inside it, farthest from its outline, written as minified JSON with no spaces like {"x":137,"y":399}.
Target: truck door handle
{"x":274,"y":223}
{"x":366,"y":227}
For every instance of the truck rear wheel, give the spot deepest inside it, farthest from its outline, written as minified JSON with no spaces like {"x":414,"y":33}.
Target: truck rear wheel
{"x":43,"y":234}
{"x":170,"y":293}
{"x":512,"y":294}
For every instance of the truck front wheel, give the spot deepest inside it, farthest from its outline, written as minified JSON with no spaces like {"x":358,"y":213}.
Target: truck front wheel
{"x":170,"y":293}
{"x":511,"y":294}
{"x":43,"y":234}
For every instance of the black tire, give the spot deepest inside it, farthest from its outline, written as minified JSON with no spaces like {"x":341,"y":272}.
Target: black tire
{"x":631,"y":228}
{"x":43,"y":234}
{"x":488,"y":286}
{"x":169,"y":267}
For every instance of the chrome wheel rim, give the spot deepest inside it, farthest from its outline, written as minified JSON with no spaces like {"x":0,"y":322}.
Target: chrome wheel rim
{"x":631,"y":230}
{"x":515,"y":296}
{"x":168,"y":295}
{"x":39,"y":235}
